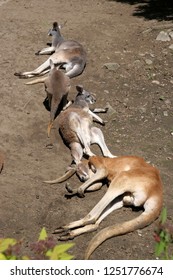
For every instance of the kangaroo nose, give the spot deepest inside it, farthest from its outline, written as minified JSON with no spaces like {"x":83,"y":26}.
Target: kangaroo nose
{"x":82,"y":179}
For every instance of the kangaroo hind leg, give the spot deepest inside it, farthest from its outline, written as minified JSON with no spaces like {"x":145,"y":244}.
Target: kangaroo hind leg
{"x":82,"y":130}
{"x":73,"y":70}
{"x":97,"y":137}
{"x":37,"y":72}
{"x":42,"y":68}
{"x":91,"y":221}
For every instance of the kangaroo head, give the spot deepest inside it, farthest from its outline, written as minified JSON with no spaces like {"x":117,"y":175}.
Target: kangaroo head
{"x":82,"y":171}
{"x":84,"y":95}
{"x":55,"y":30}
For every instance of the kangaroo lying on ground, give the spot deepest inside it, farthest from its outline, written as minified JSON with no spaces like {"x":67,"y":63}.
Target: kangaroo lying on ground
{"x":75,"y":127}
{"x":132,"y":182}
{"x":68,"y":53}
{"x":57,"y":87}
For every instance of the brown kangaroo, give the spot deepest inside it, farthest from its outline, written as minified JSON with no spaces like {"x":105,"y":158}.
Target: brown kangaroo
{"x":132,"y":181}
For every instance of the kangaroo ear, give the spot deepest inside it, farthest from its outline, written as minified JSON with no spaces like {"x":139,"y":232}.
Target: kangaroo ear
{"x":92,"y":167}
{"x":79,"y":89}
{"x":52,"y":65}
{"x":62,"y":25}
{"x":55,"y":25}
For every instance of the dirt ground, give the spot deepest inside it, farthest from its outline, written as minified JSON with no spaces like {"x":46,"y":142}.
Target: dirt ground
{"x":139,"y":122}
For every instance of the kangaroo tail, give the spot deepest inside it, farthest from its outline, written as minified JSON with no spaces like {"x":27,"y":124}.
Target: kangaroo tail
{"x":139,"y":222}
{"x":36,"y":81}
{"x":63,"y":178}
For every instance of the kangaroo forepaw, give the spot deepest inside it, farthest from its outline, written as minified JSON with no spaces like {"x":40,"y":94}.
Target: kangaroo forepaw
{"x":20,"y":75}
{"x":72,"y":192}
{"x":80,"y":193}
{"x":17,"y":74}
{"x":69,"y":189}
{"x":37,"y":53}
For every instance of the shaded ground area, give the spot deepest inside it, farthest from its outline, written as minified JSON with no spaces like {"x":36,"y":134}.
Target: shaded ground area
{"x":140,"y":120}
{"x":151,"y":9}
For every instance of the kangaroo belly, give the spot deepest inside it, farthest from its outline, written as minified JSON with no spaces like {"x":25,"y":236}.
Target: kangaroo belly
{"x":70,"y":122}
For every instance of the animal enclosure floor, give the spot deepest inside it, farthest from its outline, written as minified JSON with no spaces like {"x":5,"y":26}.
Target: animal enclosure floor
{"x":138,"y":92}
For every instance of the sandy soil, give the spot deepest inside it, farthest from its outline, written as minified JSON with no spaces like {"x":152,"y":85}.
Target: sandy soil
{"x":140,"y":121}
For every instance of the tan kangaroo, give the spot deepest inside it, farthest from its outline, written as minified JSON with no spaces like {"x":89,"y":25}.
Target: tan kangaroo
{"x":133,"y":182}
{"x":68,"y":54}
{"x":57,"y":86}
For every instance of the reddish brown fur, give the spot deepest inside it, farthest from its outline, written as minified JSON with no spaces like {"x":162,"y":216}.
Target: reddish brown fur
{"x":132,"y":180}
{"x":116,"y":165}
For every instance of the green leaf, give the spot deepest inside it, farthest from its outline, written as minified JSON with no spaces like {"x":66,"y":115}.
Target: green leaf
{"x":5,"y":243}
{"x":2,"y":257}
{"x":54,"y":255}
{"x":59,"y":252}
{"x":12,"y":257}
{"x":63,"y":247}
{"x":162,"y":234}
{"x":163,"y":215}
{"x":66,"y":256}
{"x":43,"y":234}
{"x":25,"y":258}
{"x":167,"y":237}
{"x":160,"y":248}
{"x":49,"y":253}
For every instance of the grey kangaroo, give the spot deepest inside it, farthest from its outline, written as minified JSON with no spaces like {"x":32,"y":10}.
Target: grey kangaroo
{"x":68,"y":54}
{"x":77,"y":130}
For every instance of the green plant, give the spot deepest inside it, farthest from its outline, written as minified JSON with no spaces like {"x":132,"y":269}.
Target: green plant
{"x":164,"y":237}
{"x":43,"y":249}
